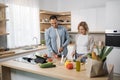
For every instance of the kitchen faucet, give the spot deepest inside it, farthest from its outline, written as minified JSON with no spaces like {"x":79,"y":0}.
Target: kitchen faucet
{"x":36,"y":40}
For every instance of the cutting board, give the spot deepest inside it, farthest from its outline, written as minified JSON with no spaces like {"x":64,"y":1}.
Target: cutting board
{"x":6,"y":53}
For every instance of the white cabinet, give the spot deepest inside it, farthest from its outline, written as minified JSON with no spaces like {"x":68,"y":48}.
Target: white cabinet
{"x":95,"y":17}
{"x":113,"y":15}
{"x":88,"y":15}
{"x":113,"y":22}
{"x":100,"y":19}
{"x":114,"y":58}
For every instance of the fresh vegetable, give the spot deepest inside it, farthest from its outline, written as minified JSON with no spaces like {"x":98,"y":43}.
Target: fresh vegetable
{"x":89,"y":55}
{"x":102,"y":53}
{"x":67,"y":61}
{"x":94,"y":56}
{"x":47,"y":65}
{"x":69,"y":66}
{"x":49,"y":59}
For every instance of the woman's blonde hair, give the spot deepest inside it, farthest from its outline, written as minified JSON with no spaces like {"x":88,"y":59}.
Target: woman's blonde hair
{"x":84,"y":25}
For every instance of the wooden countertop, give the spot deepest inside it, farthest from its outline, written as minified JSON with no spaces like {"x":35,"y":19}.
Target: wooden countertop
{"x":21,"y":51}
{"x":59,"y":71}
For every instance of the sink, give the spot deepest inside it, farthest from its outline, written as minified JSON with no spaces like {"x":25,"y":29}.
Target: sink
{"x":28,"y":48}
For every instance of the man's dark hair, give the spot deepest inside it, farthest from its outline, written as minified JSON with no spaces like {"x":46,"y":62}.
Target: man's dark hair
{"x":53,"y":17}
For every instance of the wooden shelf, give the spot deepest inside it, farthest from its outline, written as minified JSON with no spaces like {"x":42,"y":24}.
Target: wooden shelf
{"x":4,"y":20}
{"x":4,"y":34}
{"x":44,"y":22}
{"x":3,"y":5}
{"x":67,"y":23}
{"x":58,"y":23}
{"x":64,"y":18}
{"x":55,"y":13}
{"x":42,"y":32}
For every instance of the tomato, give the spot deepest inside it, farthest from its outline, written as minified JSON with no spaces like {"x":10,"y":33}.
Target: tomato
{"x":69,"y":66}
{"x":49,"y":59}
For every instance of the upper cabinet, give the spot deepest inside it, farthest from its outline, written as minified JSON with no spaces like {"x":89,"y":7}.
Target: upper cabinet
{"x":2,"y":19}
{"x":64,"y":18}
{"x":113,"y":15}
{"x":95,"y":18}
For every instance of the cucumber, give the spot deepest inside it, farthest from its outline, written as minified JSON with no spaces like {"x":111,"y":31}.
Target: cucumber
{"x":47,"y":65}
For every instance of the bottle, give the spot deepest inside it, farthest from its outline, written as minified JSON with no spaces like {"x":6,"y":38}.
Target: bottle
{"x":62,"y":59}
{"x":78,"y":65}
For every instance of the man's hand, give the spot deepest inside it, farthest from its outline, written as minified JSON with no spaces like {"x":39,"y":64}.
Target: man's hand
{"x":61,"y":49}
{"x":54,"y":55}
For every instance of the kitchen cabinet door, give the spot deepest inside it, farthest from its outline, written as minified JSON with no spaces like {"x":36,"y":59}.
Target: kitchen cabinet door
{"x":88,"y":15}
{"x":114,"y":58}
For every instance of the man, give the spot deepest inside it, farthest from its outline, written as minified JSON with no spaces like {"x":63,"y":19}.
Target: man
{"x":57,"y":38}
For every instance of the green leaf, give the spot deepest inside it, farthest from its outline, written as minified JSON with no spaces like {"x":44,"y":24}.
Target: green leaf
{"x":106,"y":53}
{"x":102,"y":52}
{"x":89,"y":55}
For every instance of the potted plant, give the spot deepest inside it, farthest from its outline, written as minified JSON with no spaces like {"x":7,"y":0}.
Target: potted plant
{"x":43,"y":42}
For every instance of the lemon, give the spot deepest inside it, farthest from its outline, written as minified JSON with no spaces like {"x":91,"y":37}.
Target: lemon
{"x":67,"y":62}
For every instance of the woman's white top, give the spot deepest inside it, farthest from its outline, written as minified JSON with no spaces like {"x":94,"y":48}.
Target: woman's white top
{"x":83,"y":44}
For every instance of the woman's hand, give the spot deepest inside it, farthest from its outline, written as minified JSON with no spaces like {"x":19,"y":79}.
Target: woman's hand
{"x":73,"y":54}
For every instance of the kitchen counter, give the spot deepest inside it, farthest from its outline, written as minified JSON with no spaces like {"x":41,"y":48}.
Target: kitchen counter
{"x":21,"y":51}
{"x":24,"y":51}
{"x":59,"y":72}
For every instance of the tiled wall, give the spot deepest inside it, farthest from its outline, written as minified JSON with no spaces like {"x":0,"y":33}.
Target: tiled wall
{"x":97,"y":37}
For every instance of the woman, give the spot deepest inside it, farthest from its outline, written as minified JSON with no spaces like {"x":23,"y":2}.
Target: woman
{"x":83,"y":42}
